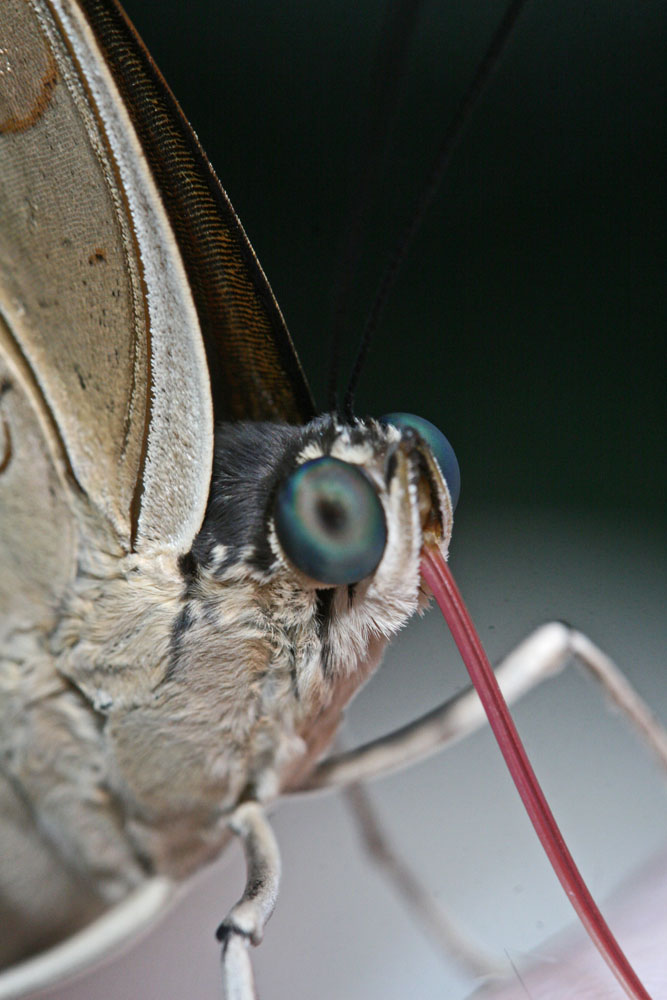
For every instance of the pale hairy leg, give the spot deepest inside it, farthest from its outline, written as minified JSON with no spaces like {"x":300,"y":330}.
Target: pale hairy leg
{"x":544,"y":653}
{"x":244,"y":925}
{"x":440,"y":926}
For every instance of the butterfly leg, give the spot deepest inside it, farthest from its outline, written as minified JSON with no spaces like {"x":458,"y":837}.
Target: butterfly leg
{"x":245,"y":922}
{"x":543,"y":654}
{"x":439,"y":925}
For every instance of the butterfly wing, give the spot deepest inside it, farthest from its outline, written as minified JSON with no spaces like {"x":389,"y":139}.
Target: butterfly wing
{"x":120,"y":255}
{"x":94,"y":294}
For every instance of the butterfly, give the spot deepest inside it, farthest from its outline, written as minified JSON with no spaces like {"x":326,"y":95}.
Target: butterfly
{"x":244,"y":216}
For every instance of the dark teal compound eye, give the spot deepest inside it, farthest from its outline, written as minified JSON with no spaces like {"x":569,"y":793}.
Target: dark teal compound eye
{"x":330,"y":522}
{"x":439,"y":445}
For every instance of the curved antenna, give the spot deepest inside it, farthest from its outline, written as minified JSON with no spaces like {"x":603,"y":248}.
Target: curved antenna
{"x":388,"y":72}
{"x":451,"y":137}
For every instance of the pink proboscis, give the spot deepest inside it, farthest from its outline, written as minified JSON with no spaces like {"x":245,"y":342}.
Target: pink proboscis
{"x":438,"y":578}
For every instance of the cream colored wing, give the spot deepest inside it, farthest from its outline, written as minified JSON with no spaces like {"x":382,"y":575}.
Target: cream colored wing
{"x":93,"y":291}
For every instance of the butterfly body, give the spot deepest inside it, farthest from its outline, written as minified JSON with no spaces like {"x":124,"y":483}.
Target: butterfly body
{"x":156,"y":665}
{"x":177,"y":683}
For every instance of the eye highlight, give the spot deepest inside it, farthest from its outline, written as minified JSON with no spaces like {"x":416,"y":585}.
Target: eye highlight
{"x":330,"y":522}
{"x":439,"y":445}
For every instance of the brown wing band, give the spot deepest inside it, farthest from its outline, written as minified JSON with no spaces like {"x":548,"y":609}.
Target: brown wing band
{"x":255,"y":373}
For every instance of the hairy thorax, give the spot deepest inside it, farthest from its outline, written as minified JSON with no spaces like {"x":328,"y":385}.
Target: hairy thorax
{"x":204,"y":679}
{"x":204,"y":692}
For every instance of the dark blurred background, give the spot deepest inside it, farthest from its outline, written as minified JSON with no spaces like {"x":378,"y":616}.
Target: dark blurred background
{"x":528,"y":322}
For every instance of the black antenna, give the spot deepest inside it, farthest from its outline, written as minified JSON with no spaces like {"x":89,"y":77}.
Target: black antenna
{"x":389,"y":70}
{"x":452,"y":135}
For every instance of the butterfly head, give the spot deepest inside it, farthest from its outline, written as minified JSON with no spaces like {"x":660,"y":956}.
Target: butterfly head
{"x":333,"y":512}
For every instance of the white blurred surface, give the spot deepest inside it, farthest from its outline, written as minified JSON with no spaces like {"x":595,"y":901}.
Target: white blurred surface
{"x":568,"y":967}
{"x":339,"y":930}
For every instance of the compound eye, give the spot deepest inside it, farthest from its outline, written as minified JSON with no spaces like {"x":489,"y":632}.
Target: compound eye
{"x":330,"y":522}
{"x":439,"y":445}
